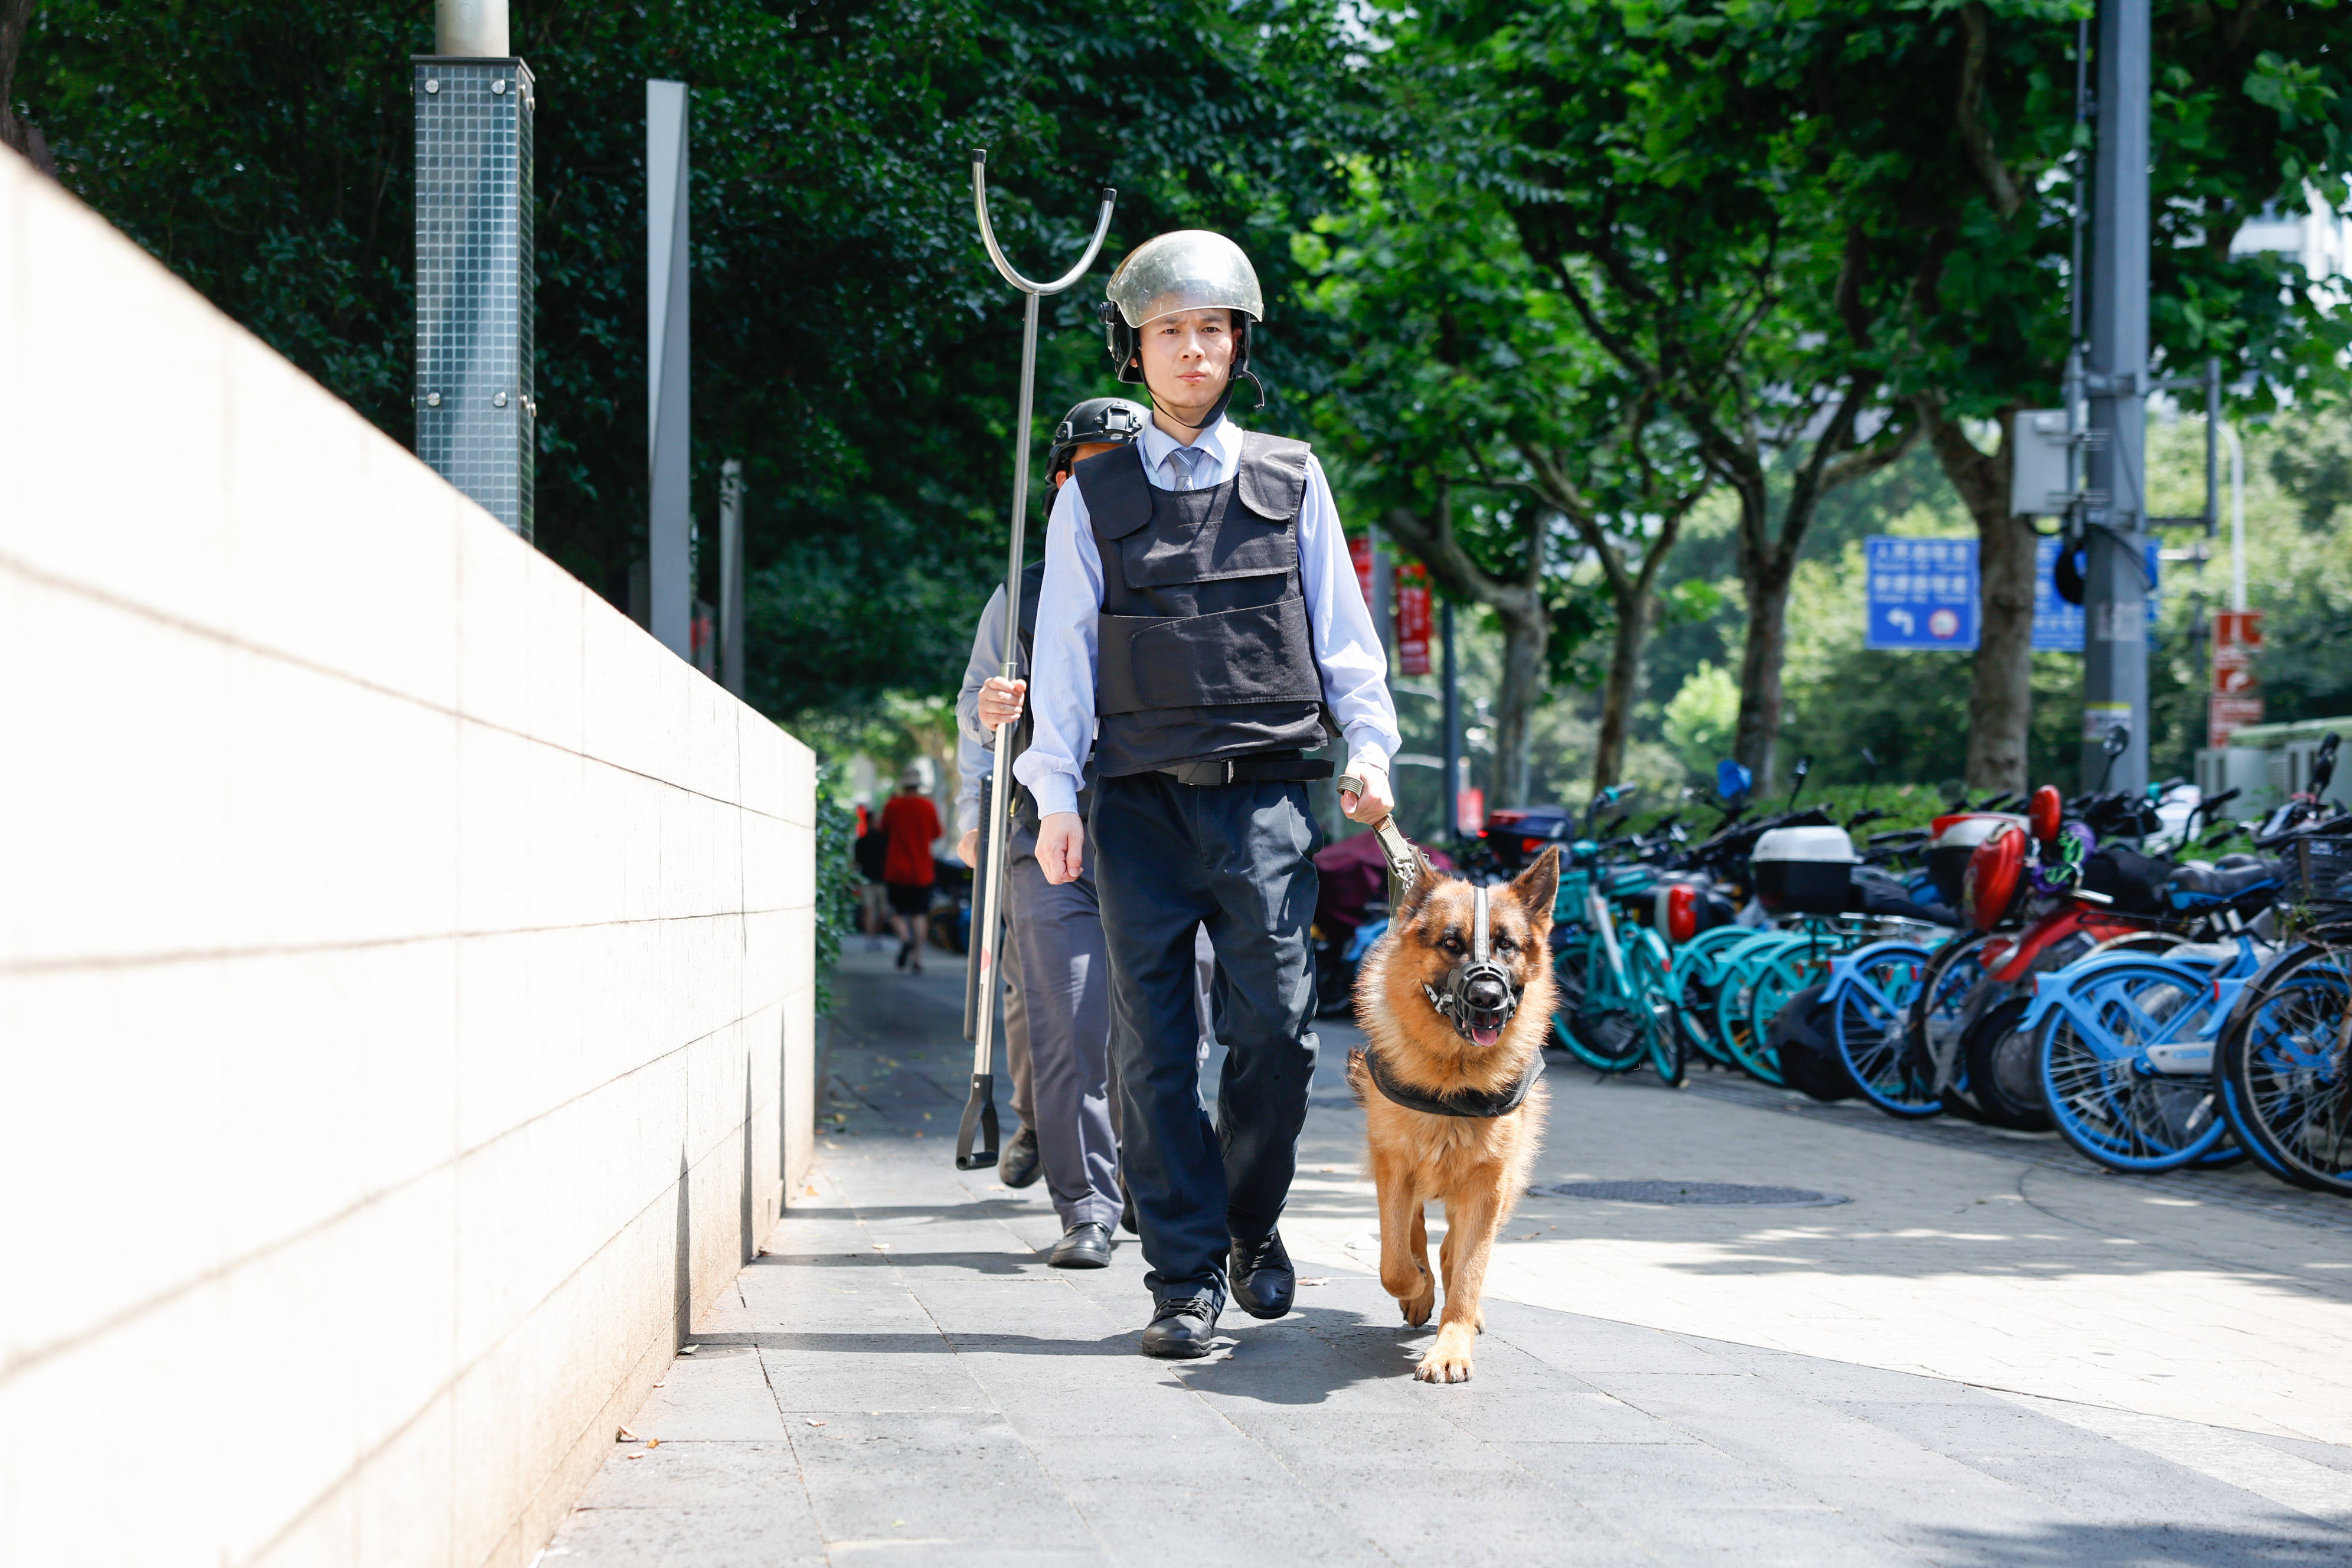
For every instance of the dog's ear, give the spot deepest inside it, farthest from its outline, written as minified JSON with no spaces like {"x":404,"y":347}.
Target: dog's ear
{"x":1538,"y":886}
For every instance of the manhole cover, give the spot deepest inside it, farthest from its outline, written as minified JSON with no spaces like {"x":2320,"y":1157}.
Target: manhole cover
{"x":1713,"y":1192}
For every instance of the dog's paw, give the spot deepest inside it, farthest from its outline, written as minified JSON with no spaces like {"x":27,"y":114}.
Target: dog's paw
{"x":1448,"y":1360}
{"x":1441,"y":1365}
{"x":1417,"y":1309}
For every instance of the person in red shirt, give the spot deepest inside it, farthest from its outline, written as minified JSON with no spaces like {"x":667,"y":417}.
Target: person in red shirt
{"x":911,"y":822}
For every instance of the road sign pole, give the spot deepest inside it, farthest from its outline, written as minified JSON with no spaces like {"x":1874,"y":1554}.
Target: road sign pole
{"x":2114,"y":598}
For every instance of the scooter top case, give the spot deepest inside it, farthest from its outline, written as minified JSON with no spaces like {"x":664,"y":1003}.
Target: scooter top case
{"x":1956,"y":838}
{"x":1804,"y":870}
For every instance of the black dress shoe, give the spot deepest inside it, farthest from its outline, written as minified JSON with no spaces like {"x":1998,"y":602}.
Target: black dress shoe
{"x":1018,"y":1167}
{"x":1085,"y":1245}
{"x":1181,"y":1331}
{"x":1261,"y":1277}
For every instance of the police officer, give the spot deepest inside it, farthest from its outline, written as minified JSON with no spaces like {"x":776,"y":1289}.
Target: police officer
{"x":1200,"y":625}
{"x":1057,"y":996}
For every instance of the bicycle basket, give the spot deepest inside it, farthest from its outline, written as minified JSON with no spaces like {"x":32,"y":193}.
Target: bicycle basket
{"x":2320,"y":871}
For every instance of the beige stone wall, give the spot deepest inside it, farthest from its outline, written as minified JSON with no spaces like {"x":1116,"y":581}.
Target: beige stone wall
{"x":405,"y":963}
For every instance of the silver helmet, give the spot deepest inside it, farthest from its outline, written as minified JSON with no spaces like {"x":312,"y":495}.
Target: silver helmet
{"x":1185,"y":270}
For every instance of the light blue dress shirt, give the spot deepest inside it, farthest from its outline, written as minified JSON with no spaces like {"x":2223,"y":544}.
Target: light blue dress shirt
{"x":1353,"y":664}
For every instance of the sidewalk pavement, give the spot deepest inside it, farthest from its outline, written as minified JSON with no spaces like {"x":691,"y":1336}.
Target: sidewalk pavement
{"x":1990,"y":1355}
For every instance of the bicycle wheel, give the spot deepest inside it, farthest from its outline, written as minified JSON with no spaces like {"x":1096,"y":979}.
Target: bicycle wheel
{"x":1735,"y":994}
{"x":1794,"y":968}
{"x":2287,"y":1066}
{"x":1651,"y":969}
{"x":1695,"y":986}
{"x":2004,"y":1069}
{"x":1591,"y":1018}
{"x":1932,"y":1026}
{"x":2102,"y":1082}
{"x":1869,"y":1024}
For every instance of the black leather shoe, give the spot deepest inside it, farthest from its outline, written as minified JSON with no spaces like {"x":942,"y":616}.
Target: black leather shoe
{"x":1181,"y":1331}
{"x":1018,"y":1165}
{"x":1260,"y":1275}
{"x":1084,"y":1245}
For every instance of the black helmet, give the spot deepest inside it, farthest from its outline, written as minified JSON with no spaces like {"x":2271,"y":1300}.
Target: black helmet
{"x":1098,"y":419}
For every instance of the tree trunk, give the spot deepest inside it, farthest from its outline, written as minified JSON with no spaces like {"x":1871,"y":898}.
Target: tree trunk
{"x":1527,"y":626}
{"x":1757,"y":741}
{"x":1633,"y":621}
{"x":2001,"y":691}
{"x":1526,"y":640}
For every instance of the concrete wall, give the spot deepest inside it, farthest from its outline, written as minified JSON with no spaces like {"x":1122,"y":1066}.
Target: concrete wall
{"x":405,"y":963}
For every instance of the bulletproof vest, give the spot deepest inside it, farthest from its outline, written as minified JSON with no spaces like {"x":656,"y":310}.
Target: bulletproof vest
{"x":1202,"y":648}
{"x":1033,"y":585}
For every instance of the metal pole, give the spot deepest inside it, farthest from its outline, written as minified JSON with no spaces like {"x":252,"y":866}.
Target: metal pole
{"x":731,"y":575}
{"x":1453,"y":727}
{"x":2237,"y":519}
{"x":476,"y":410}
{"x":2114,"y":600}
{"x":976,"y":1137}
{"x":670,"y":420}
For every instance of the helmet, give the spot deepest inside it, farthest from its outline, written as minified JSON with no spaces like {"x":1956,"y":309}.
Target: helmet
{"x":1111,"y":420}
{"x":1183,"y":269}
{"x":1186,"y":269}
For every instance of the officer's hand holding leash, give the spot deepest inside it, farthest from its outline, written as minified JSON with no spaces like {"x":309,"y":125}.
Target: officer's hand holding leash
{"x":1374,"y":802}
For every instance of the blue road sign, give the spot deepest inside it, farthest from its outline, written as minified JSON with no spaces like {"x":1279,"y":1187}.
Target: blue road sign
{"x":2057,"y":625}
{"x":1923,"y":594}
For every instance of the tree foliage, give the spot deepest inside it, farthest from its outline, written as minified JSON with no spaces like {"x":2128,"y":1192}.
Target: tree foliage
{"x":851,"y":342}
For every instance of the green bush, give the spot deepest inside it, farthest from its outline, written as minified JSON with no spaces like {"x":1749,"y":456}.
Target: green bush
{"x":837,"y":878}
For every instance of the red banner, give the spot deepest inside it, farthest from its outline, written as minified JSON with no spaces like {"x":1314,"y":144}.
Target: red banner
{"x":1470,"y":805}
{"x":2236,"y":699}
{"x":1413,"y":620}
{"x":1359,"y":551}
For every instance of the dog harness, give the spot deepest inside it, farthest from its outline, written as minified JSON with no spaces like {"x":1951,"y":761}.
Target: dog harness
{"x":1481,"y":1105}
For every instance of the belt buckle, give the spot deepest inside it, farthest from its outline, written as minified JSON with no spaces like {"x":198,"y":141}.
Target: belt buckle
{"x":1229,"y":769}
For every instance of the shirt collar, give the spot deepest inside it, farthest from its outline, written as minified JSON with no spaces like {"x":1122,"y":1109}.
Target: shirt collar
{"x":1218,"y":439}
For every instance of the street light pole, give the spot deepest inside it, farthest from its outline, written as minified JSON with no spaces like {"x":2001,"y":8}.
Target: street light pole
{"x":1453,"y":728}
{"x":2114,"y":598}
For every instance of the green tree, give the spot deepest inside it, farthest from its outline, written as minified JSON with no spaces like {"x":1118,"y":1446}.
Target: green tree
{"x":1473,"y":411}
{"x":852,"y":346}
{"x":1944,"y":144}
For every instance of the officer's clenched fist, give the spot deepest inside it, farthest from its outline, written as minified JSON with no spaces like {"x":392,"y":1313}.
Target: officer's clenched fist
{"x":1062,"y":847}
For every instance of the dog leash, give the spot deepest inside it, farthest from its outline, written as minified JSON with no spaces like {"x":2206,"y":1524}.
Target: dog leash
{"x":1404,"y":861}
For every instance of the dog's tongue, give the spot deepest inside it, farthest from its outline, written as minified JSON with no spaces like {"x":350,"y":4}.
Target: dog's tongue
{"x":1485,"y":1034}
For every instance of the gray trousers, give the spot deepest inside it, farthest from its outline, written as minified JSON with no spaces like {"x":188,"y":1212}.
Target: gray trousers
{"x":1057,"y":1034}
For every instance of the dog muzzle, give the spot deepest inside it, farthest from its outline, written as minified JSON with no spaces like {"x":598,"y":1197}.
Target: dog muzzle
{"x":1480,"y":995}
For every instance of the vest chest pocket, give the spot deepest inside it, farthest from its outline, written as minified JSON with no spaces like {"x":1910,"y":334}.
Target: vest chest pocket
{"x":1229,"y":541}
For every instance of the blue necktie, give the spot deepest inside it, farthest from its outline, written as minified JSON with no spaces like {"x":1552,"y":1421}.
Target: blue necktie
{"x":1185,"y":463}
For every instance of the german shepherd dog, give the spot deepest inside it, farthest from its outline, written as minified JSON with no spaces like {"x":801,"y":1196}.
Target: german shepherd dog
{"x":1454,"y":1009}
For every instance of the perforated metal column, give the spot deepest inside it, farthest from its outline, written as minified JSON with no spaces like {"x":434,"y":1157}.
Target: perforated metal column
{"x":475,"y":413}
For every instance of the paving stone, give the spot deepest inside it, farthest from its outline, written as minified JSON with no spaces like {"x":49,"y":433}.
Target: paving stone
{"x":902,"y":1379}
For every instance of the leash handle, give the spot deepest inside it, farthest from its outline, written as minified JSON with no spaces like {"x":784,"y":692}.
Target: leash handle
{"x":1404,"y":860}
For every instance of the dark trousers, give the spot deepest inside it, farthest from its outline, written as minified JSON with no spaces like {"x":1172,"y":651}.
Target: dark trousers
{"x":1057,"y":1027}
{"x":1237,"y":859}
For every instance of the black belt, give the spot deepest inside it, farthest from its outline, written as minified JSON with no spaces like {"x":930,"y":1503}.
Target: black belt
{"x":1262,"y":768}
